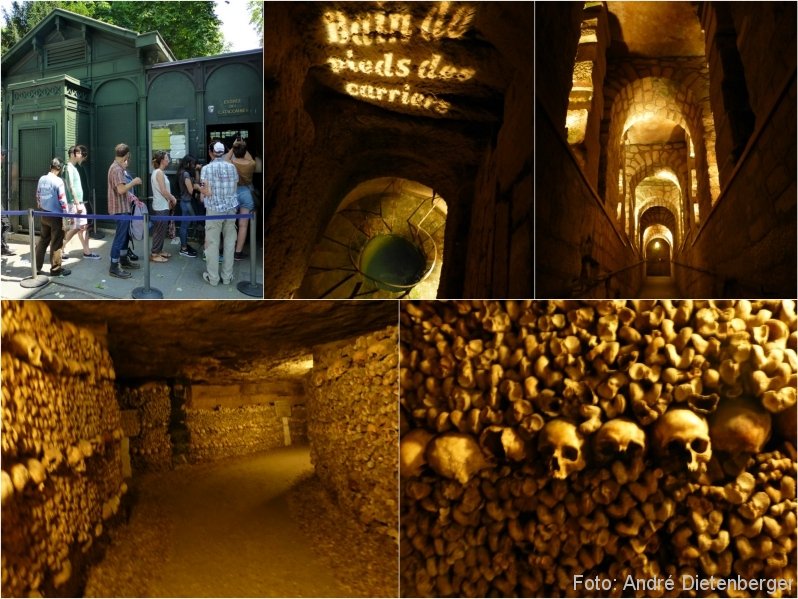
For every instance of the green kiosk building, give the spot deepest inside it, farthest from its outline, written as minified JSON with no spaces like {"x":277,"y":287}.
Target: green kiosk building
{"x":75,"y":80}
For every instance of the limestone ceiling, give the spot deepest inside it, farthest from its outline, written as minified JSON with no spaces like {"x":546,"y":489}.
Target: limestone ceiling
{"x":220,"y":342}
{"x":652,"y":29}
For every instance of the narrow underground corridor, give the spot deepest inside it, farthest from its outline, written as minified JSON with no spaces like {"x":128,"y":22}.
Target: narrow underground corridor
{"x":217,"y":457}
{"x":669,"y":123}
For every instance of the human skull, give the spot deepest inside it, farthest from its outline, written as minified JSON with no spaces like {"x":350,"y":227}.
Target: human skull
{"x":740,"y":424}
{"x":684,"y":435}
{"x":620,"y":437}
{"x":560,"y":443}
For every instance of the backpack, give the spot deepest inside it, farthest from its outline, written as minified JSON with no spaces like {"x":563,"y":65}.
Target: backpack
{"x":137,"y":208}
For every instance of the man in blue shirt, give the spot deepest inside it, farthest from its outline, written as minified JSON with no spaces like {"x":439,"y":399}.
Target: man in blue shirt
{"x":51,"y":197}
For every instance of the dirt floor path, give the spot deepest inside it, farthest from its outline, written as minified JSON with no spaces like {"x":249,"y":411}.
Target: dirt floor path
{"x":223,"y":530}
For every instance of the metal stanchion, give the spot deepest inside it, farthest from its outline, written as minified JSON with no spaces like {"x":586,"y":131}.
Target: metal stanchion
{"x":252,"y":287}
{"x":147,"y":292}
{"x":35,"y":280}
{"x":94,"y":234}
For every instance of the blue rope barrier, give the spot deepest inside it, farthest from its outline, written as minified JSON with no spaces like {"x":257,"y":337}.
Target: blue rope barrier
{"x":128,"y":217}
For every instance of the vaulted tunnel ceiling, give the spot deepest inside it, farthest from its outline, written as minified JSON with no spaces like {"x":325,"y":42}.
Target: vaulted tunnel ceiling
{"x":219,"y":342}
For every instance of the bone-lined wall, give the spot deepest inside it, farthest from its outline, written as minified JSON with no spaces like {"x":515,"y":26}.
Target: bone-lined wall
{"x":543,"y":441}
{"x":61,"y":463}
{"x":352,"y":426}
{"x":149,"y":406}
{"x":233,"y":420}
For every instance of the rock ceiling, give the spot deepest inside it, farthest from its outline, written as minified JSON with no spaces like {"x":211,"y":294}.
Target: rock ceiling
{"x":220,"y":342}
{"x":652,"y":29}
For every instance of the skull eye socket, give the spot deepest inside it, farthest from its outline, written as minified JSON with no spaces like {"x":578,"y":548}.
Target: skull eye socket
{"x":675,"y":447}
{"x":570,"y":453}
{"x":699,"y":445}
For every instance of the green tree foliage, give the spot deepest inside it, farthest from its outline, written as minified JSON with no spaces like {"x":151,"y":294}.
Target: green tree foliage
{"x":189,"y":28}
{"x":255,"y":8}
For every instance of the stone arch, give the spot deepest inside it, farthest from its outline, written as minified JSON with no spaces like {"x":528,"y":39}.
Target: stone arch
{"x":644,"y":98}
{"x":674,"y":205}
{"x":687,"y":81}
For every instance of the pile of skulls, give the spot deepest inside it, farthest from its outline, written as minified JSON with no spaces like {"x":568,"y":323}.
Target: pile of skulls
{"x":352,"y":426}
{"x":547,"y":443}
{"x":227,"y":432}
{"x":61,"y":436}
{"x":151,"y":448}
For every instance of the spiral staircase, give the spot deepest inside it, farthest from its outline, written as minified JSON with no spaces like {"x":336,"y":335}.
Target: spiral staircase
{"x":382,"y":245}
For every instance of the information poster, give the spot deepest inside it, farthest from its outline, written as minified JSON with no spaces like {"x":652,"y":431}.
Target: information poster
{"x":170,"y":136}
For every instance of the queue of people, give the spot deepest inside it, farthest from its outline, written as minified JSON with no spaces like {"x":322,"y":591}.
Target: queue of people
{"x":223,"y":188}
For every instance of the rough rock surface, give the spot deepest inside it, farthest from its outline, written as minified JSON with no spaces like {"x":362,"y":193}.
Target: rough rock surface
{"x":217,"y":342}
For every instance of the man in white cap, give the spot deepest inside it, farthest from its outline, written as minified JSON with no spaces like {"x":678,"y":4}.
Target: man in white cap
{"x":219,"y":181}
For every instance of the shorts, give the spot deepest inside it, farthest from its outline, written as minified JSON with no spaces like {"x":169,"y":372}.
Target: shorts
{"x":77,"y":223}
{"x":245,"y":199}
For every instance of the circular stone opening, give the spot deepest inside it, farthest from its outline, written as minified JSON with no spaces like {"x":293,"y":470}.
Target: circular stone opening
{"x":393,"y":262}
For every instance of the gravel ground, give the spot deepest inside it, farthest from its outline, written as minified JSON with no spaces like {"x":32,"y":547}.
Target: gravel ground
{"x":258,"y":526}
{"x":365,"y":565}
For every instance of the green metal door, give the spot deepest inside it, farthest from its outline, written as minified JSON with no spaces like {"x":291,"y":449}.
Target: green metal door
{"x":35,"y":153}
{"x":115,"y":124}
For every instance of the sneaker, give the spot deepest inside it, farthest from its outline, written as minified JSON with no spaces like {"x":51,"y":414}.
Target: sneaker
{"x":207,"y":278}
{"x":7,"y":251}
{"x":240,"y":256}
{"x":65,"y":256}
{"x":61,"y":272}
{"x":91,"y":256}
{"x":189,"y":252}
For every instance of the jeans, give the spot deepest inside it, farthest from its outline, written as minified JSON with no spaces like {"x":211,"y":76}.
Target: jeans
{"x":213,"y":230}
{"x":52,"y":235}
{"x":186,"y":209}
{"x":121,"y":237}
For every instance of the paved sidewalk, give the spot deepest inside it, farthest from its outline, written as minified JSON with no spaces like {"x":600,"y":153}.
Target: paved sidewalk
{"x":179,"y":278}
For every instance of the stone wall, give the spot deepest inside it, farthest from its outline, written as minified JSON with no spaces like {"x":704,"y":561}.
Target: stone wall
{"x":62,"y":471}
{"x":352,"y":426}
{"x":577,"y":240}
{"x":748,"y":241}
{"x":500,"y":254}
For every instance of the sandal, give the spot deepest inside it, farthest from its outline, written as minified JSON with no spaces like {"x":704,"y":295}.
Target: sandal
{"x":157,"y":258}
{"x":165,"y":254}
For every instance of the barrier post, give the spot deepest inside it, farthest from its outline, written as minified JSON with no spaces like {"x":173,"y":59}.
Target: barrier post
{"x":252,"y":287}
{"x":147,"y":292}
{"x":35,"y":280}
{"x":95,"y":234}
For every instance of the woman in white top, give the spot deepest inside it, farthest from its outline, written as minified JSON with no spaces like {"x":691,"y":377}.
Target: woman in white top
{"x":162,"y":202}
